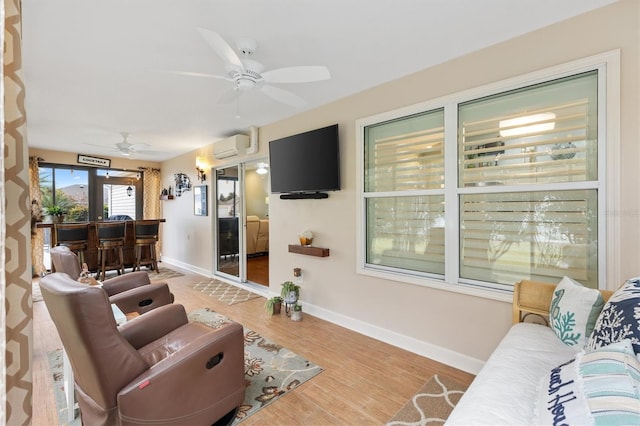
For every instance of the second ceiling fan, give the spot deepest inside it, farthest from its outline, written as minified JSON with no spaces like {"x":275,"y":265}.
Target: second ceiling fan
{"x":247,"y":74}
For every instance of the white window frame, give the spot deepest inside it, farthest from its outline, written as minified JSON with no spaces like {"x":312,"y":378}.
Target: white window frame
{"x":608,"y":66}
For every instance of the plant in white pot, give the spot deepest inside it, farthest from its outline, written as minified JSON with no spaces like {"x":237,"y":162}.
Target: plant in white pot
{"x":296,"y":313}
{"x":290,"y":292}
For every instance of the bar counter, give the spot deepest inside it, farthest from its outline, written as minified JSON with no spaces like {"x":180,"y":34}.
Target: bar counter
{"x":91,"y":255}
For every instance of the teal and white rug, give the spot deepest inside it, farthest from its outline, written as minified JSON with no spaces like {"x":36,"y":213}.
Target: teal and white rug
{"x":270,"y":370}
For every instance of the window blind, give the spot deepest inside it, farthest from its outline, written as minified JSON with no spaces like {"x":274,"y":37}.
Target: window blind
{"x":541,"y":136}
{"x":404,"y":165}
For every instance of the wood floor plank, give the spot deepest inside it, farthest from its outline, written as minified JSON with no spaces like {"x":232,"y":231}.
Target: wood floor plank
{"x":365,"y":381}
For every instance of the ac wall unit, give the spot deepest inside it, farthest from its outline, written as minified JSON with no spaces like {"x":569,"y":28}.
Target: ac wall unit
{"x":234,"y":145}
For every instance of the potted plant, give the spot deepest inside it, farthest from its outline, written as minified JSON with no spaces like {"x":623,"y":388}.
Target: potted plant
{"x":273,"y":305}
{"x":296,"y":313}
{"x":290,"y":292}
{"x":54,"y":213}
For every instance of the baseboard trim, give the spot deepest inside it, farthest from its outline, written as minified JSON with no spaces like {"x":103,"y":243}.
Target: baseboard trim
{"x":187,"y":266}
{"x":428,"y":350}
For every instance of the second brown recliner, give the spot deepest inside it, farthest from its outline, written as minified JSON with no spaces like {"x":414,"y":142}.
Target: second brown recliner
{"x":158,"y":369}
{"x":132,"y":292}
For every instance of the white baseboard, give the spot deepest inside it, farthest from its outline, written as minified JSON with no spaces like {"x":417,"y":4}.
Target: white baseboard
{"x":428,"y":350}
{"x":187,"y":267}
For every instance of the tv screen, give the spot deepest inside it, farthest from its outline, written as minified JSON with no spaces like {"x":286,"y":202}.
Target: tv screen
{"x":305,"y":163}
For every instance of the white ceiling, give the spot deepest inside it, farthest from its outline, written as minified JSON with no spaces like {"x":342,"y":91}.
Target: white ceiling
{"x":95,"y":68}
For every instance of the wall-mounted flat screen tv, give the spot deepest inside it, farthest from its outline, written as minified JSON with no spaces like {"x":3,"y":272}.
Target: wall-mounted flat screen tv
{"x":306,"y":163}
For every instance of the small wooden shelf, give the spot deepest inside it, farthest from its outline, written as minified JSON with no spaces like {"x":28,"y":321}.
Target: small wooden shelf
{"x":309,"y":251}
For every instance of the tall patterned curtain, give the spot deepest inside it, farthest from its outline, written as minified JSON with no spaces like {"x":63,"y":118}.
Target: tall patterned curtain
{"x":151,"y":208}
{"x":3,"y":281}
{"x":37,"y":237}
{"x":18,"y":327}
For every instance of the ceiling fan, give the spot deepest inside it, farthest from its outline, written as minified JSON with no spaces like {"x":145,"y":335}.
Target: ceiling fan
{"x":129,"y":149}
{"x":247,"y":74}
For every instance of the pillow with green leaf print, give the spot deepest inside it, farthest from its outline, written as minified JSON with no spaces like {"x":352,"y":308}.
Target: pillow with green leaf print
{"x":574,"y":311}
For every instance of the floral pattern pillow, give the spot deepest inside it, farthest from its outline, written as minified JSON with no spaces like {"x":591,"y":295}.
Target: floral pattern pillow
{"x":620,"y":318}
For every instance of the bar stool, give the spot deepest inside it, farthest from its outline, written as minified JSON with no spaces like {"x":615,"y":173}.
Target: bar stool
{"x":111,"y":238}
{"x":74,"y":236}
{"x":146,"y":232}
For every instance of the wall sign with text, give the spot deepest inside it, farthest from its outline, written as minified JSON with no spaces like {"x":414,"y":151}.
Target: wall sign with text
{"x":94,"y":161}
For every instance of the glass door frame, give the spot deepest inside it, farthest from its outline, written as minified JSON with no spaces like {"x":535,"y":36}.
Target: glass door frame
{"x":240,"y":214}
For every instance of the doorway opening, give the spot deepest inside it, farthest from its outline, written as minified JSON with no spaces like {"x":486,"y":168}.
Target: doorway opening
{"x":242,"y":222}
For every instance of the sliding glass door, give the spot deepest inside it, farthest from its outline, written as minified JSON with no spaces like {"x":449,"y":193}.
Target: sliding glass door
{"x":227,"y":216}
{"x":242,"y":222}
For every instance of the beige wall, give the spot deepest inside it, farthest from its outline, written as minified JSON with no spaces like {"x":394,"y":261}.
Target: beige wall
{"x":188,"y":239}
{"x":457,"y":329}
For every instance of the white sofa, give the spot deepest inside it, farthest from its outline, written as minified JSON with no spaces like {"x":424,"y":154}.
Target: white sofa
{"x":507,"y":389}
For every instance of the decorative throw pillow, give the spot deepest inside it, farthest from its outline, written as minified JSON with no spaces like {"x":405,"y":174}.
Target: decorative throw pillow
{"x":560,"y":398}
{"x":573,"y":312}
{"x":599,"y":387}
{"x":611,"y":383}
{"x":620,"y":318}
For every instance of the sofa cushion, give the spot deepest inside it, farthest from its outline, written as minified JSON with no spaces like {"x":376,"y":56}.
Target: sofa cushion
{"x":504,"y":391}
{"x":599,"y":387}
{"x":573,"y":312}
{"x":620,"y":318}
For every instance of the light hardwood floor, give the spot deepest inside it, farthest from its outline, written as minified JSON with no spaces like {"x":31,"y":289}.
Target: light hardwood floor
{"x":365,"y":381}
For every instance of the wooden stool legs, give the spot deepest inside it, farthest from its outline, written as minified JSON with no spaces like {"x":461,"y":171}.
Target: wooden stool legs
{"x":103,"y":266}
{"x":152,"y":260}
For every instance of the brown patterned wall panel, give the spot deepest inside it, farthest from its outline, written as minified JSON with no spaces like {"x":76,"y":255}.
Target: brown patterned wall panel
{"x":18,"y":303}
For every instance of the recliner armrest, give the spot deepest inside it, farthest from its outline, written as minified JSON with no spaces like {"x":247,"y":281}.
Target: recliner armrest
{"x":143,"y":299}
{"x":204,"y":376}
{"x":125,"y":282}
{"x":153,"y":325}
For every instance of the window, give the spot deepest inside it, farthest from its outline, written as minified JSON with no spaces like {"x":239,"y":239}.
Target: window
{"x":537,"y":149}
{"x":490,"y":186}
{"x":404,"y":181}
{"x":67,"y":188}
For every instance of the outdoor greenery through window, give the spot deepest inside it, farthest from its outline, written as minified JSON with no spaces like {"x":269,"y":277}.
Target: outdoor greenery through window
{"x":68,"y":190}
{"x":522,"y":203}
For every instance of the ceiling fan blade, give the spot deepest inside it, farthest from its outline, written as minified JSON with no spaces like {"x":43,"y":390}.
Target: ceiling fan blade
{"x":283,"y":96}
{"x":195,"y":74}
{"x":222,"y":48}
{"x":301,"y":74}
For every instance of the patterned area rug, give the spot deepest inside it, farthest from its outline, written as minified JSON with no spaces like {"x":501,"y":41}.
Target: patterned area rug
{"x":271,"y":371}
{"x":226,"y":293}
{"x":432,"y":404}
{"x":161,"y":275}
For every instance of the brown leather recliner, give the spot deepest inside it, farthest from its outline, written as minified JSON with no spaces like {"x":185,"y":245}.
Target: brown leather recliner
{"x":155,"y":369}
{"x":132,"y":292}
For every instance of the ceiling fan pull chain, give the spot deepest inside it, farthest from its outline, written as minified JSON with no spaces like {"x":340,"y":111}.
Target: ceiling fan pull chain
{"x":237,"y":104}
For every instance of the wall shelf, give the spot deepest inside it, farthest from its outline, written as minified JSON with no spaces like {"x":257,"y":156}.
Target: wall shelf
{"x":309,"y":251}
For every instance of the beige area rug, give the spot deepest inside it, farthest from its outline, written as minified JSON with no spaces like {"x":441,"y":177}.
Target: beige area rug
{"x":161,"y":275}
{"x":432,"y":404}
{"x":226,"y":293}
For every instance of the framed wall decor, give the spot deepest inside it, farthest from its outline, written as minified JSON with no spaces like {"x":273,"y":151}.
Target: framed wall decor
{"x":200,"y":200}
